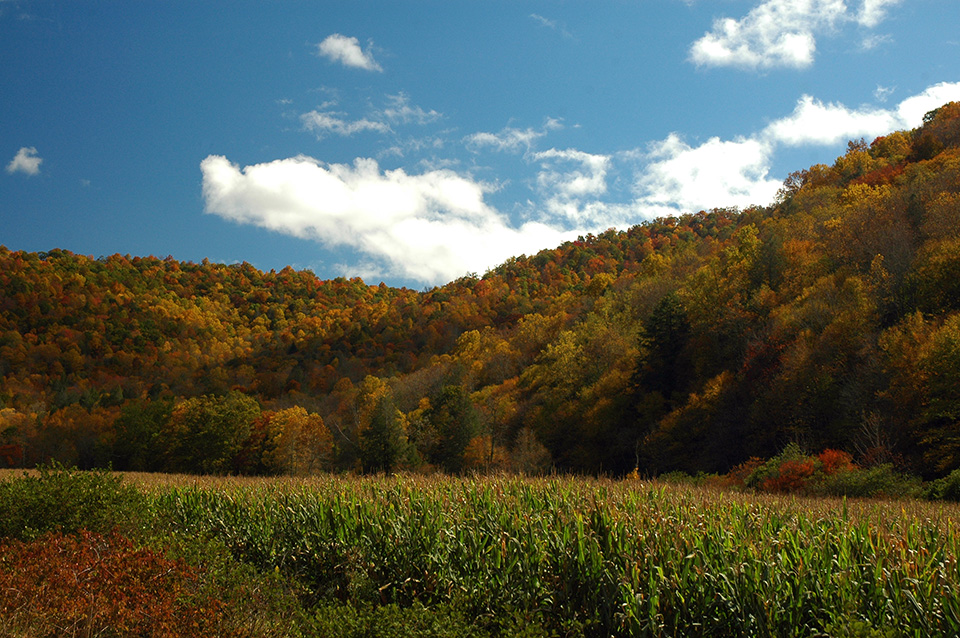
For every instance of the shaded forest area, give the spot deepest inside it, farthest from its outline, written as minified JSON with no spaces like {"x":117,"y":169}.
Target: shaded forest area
{"x":830,"y":319}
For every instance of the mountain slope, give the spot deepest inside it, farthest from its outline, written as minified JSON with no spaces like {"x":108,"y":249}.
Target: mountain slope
{"x":829,"y":319}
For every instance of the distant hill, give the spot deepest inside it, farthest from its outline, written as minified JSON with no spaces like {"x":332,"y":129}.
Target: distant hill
{"x":830,"y":319}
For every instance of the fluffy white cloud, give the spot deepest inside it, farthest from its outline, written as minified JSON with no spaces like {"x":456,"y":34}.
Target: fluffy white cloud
{"x":911,"y":111}
{"x":873,"y":12}
{"x":774,"y":33}
{"x":347,"y":51}
{"x":676,"y":177}
{"x":782,"y":33}
{"x":813,"y":122}
{"x":570,"y":181}
{"x":322,"y":123}
{"x":432,"y":227}
{"x":717,"y":173}
{"x":26,"y":161}
{"x":435,"y":224}
{"x":588,"y":179}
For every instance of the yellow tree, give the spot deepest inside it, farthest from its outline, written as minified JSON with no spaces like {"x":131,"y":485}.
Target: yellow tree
{"x":297,"y":442}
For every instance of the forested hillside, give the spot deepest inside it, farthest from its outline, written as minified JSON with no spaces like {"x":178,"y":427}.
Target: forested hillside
{"x":830,"y":319}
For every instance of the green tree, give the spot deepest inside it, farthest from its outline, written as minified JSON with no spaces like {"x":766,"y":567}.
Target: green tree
{"x":142,"y":434}
{"x":664,"y":366}
{"x":454,"y":419}
{"x":383,"y":441}
{"x":209,"y":431}
{"x":940,"y":419}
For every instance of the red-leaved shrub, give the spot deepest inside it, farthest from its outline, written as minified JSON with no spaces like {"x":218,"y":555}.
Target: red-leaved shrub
{"x":93,"y":585}
{"x":792,"y":476}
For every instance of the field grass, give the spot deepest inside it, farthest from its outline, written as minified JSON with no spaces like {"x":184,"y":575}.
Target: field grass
{"x":487,"y":556}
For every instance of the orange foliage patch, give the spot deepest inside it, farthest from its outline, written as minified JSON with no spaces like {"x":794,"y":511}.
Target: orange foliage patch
{"x":836,"y":461}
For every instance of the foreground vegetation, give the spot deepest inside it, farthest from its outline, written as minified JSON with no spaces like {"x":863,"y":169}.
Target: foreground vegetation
{"x":93,"y":554}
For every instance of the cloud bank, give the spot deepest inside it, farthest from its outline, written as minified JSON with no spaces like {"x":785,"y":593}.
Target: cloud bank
{"x":26,"y":161}
{"x":432,"y":227}
{"x":347,"y":51}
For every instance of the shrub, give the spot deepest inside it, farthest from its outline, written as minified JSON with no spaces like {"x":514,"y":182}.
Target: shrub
{"x":700,"y":479}
{"x":89,"y":585}
{"x":738,"y":476}
{"x":944,"y":489}
{"x":792,"y":476}
{"x":67,"y":500}
{"x":833,"y":461}
{"x":785,"y":472}
{"x":881,"y":480}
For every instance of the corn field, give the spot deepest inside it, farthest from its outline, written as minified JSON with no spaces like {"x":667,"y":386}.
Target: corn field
{"x":593,"y":557}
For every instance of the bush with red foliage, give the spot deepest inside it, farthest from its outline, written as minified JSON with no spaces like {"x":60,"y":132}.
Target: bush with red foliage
{"x":833,"y":461}
{"x":792,"y":476}
{"x":737,"y":477}
{"x":90,"y":584}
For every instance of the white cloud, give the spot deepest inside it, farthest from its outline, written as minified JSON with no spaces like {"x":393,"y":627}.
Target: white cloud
{"x":347,"y":51}
{"x":911,"y":111}
{"x":551,"y":24}
{"x":782,"y":33}
{"x":399,"y":109}
{"x":570,"y":181}
{"x":813,"y":122}
{"x":717,"y":173}
{"x":590,"y":179}
{"x":321,"y":123}
{"x":570,"y":192}
{"x":883,"y":92}
{"x":874,"y":41}
{"x":873,"y":12}
{"x":511,"y":140}
{"x":26,"y":161}
{"x":433,"y":224}
{"x":676,"y":177}
{"x":432,"y":227}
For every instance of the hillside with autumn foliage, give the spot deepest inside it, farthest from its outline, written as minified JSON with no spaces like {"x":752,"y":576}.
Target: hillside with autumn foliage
{"x":829,"y":319}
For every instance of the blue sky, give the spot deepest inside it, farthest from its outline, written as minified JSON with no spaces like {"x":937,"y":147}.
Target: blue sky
{"x":414,"y":142}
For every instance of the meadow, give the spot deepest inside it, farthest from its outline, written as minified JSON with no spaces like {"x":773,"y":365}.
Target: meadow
{"x":410,"y":555}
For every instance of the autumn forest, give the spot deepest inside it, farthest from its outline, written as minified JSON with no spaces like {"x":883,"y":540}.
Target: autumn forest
{"x":828,"y":320}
